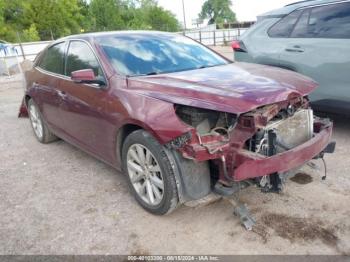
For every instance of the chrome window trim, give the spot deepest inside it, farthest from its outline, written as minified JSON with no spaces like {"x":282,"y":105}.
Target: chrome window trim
{"x":64,"y":77}
{"x":303,"y":10}
{"x":325,"y":4}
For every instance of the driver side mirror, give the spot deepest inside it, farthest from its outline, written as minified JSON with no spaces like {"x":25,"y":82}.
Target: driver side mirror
{"x":86,"y":76}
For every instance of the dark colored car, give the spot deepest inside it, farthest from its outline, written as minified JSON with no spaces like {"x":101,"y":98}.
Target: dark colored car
{"x":178,"y":118}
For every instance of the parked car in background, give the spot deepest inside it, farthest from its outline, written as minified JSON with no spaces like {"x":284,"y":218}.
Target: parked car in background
{"x":308,"y":37}
{"x":177,"y":118}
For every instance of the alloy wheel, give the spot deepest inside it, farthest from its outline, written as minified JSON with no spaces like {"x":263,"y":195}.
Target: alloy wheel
{"x":145,"y":174}
{"x":36,"y":121}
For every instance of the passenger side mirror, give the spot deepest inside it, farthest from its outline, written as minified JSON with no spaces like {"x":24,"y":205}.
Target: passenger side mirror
{"x":86,"y":76}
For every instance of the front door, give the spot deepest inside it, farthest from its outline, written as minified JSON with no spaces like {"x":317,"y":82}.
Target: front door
{"x":83,"y":106}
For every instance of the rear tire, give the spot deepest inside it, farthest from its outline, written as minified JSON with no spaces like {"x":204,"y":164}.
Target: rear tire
{"x":150,"y":173}
{"x":41,"y":130}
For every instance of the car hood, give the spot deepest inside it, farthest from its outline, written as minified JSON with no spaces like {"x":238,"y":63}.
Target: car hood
{"x":234,"y":88}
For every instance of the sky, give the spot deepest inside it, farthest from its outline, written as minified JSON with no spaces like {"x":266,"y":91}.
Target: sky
{"x":246,"y":10}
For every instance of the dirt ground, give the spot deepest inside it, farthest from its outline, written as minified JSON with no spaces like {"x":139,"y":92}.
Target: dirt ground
{"x":56,"y":199}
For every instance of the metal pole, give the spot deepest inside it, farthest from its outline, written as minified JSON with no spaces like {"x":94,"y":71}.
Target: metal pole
{"x":20,"y":46}
{"x":184,"y":14}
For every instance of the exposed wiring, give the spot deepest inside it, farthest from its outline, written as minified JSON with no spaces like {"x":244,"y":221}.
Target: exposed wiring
{"x":261,"y":144}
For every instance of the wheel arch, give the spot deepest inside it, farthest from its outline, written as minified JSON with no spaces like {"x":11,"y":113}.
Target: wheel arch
{"x":125,"y":130}
{"x":122,"y":134}
{"x":189,"y":175}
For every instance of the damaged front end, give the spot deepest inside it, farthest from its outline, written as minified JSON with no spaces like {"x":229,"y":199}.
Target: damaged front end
{"x":263,"y":146}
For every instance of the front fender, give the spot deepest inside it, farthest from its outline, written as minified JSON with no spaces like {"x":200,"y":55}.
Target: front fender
{"x":154,"y":115}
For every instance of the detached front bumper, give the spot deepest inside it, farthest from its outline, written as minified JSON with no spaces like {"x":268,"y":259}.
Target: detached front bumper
{"x":253,"y":166}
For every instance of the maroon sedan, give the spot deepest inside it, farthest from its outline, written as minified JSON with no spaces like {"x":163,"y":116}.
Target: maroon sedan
{"x":179,"y":119}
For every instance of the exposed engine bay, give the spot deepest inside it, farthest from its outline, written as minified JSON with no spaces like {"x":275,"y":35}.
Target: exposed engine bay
{"x":259,"y":146}
{"x":263,"y":147}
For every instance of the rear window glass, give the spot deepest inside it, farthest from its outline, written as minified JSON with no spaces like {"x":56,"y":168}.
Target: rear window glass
{"x":331,"y":21}
{"x":53,"y":59}
{"x":301,"y":29}
{"x":285,"y":26}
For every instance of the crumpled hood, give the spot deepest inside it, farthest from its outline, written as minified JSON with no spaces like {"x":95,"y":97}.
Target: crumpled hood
{"x":234,"y":88}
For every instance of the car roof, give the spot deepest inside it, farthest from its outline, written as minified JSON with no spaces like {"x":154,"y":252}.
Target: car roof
{"x":118,"y":33}
{"x":277,"y":13}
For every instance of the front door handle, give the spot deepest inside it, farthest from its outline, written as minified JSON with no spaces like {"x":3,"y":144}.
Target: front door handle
{"x":295,"y":49}
{"x":62,"y":94}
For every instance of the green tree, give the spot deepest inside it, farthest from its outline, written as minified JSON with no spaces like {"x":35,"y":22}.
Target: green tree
{"x":52,"y":18}
{"x":9,"y":13}
{"x":2,"y":22}
{"x":30,"y":20}
{"x":30,"y":34}
{"x":156,"y":18}
{"x":217,"y":11}
{"x":85,"y":21}
{"x":131,"y":14}
{"x":106,"y":15}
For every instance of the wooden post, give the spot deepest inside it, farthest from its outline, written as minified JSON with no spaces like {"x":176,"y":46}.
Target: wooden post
{"x":200,"y":36}
{"x":214,"y":38}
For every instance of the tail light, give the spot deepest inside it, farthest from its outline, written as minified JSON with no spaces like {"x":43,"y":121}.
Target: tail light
{"x":238,"y":46}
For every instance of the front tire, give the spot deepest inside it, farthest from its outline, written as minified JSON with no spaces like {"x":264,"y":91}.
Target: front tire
{"x":150,"y":173}
{"x":41,"y":131}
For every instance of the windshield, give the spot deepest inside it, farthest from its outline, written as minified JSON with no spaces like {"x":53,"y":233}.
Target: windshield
{"x":150,"y":54}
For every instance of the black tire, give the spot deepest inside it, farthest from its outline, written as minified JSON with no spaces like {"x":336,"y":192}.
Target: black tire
{"x":170,"y":197}
{"x":47,"y":136}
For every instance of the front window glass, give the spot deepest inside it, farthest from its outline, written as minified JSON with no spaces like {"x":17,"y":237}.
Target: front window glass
{"x":331,"y":21}
{"x":80,"y":56}
{"x":146,"y":54}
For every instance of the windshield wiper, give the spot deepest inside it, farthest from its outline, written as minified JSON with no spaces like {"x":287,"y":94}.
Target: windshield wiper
{"x":207,"y":66}
{"x":147,"y":74}
{"x":175,"y":71}
{"x":151,"y":73}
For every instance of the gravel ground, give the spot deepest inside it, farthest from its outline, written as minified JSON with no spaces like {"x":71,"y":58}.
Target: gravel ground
{"x":56,"y":199}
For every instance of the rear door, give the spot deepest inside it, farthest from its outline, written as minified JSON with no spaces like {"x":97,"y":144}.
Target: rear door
{"x":83,"y":106}
{"x":265,"y":41}
{"x":48,"y":74}
{"x":319,"y":47}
